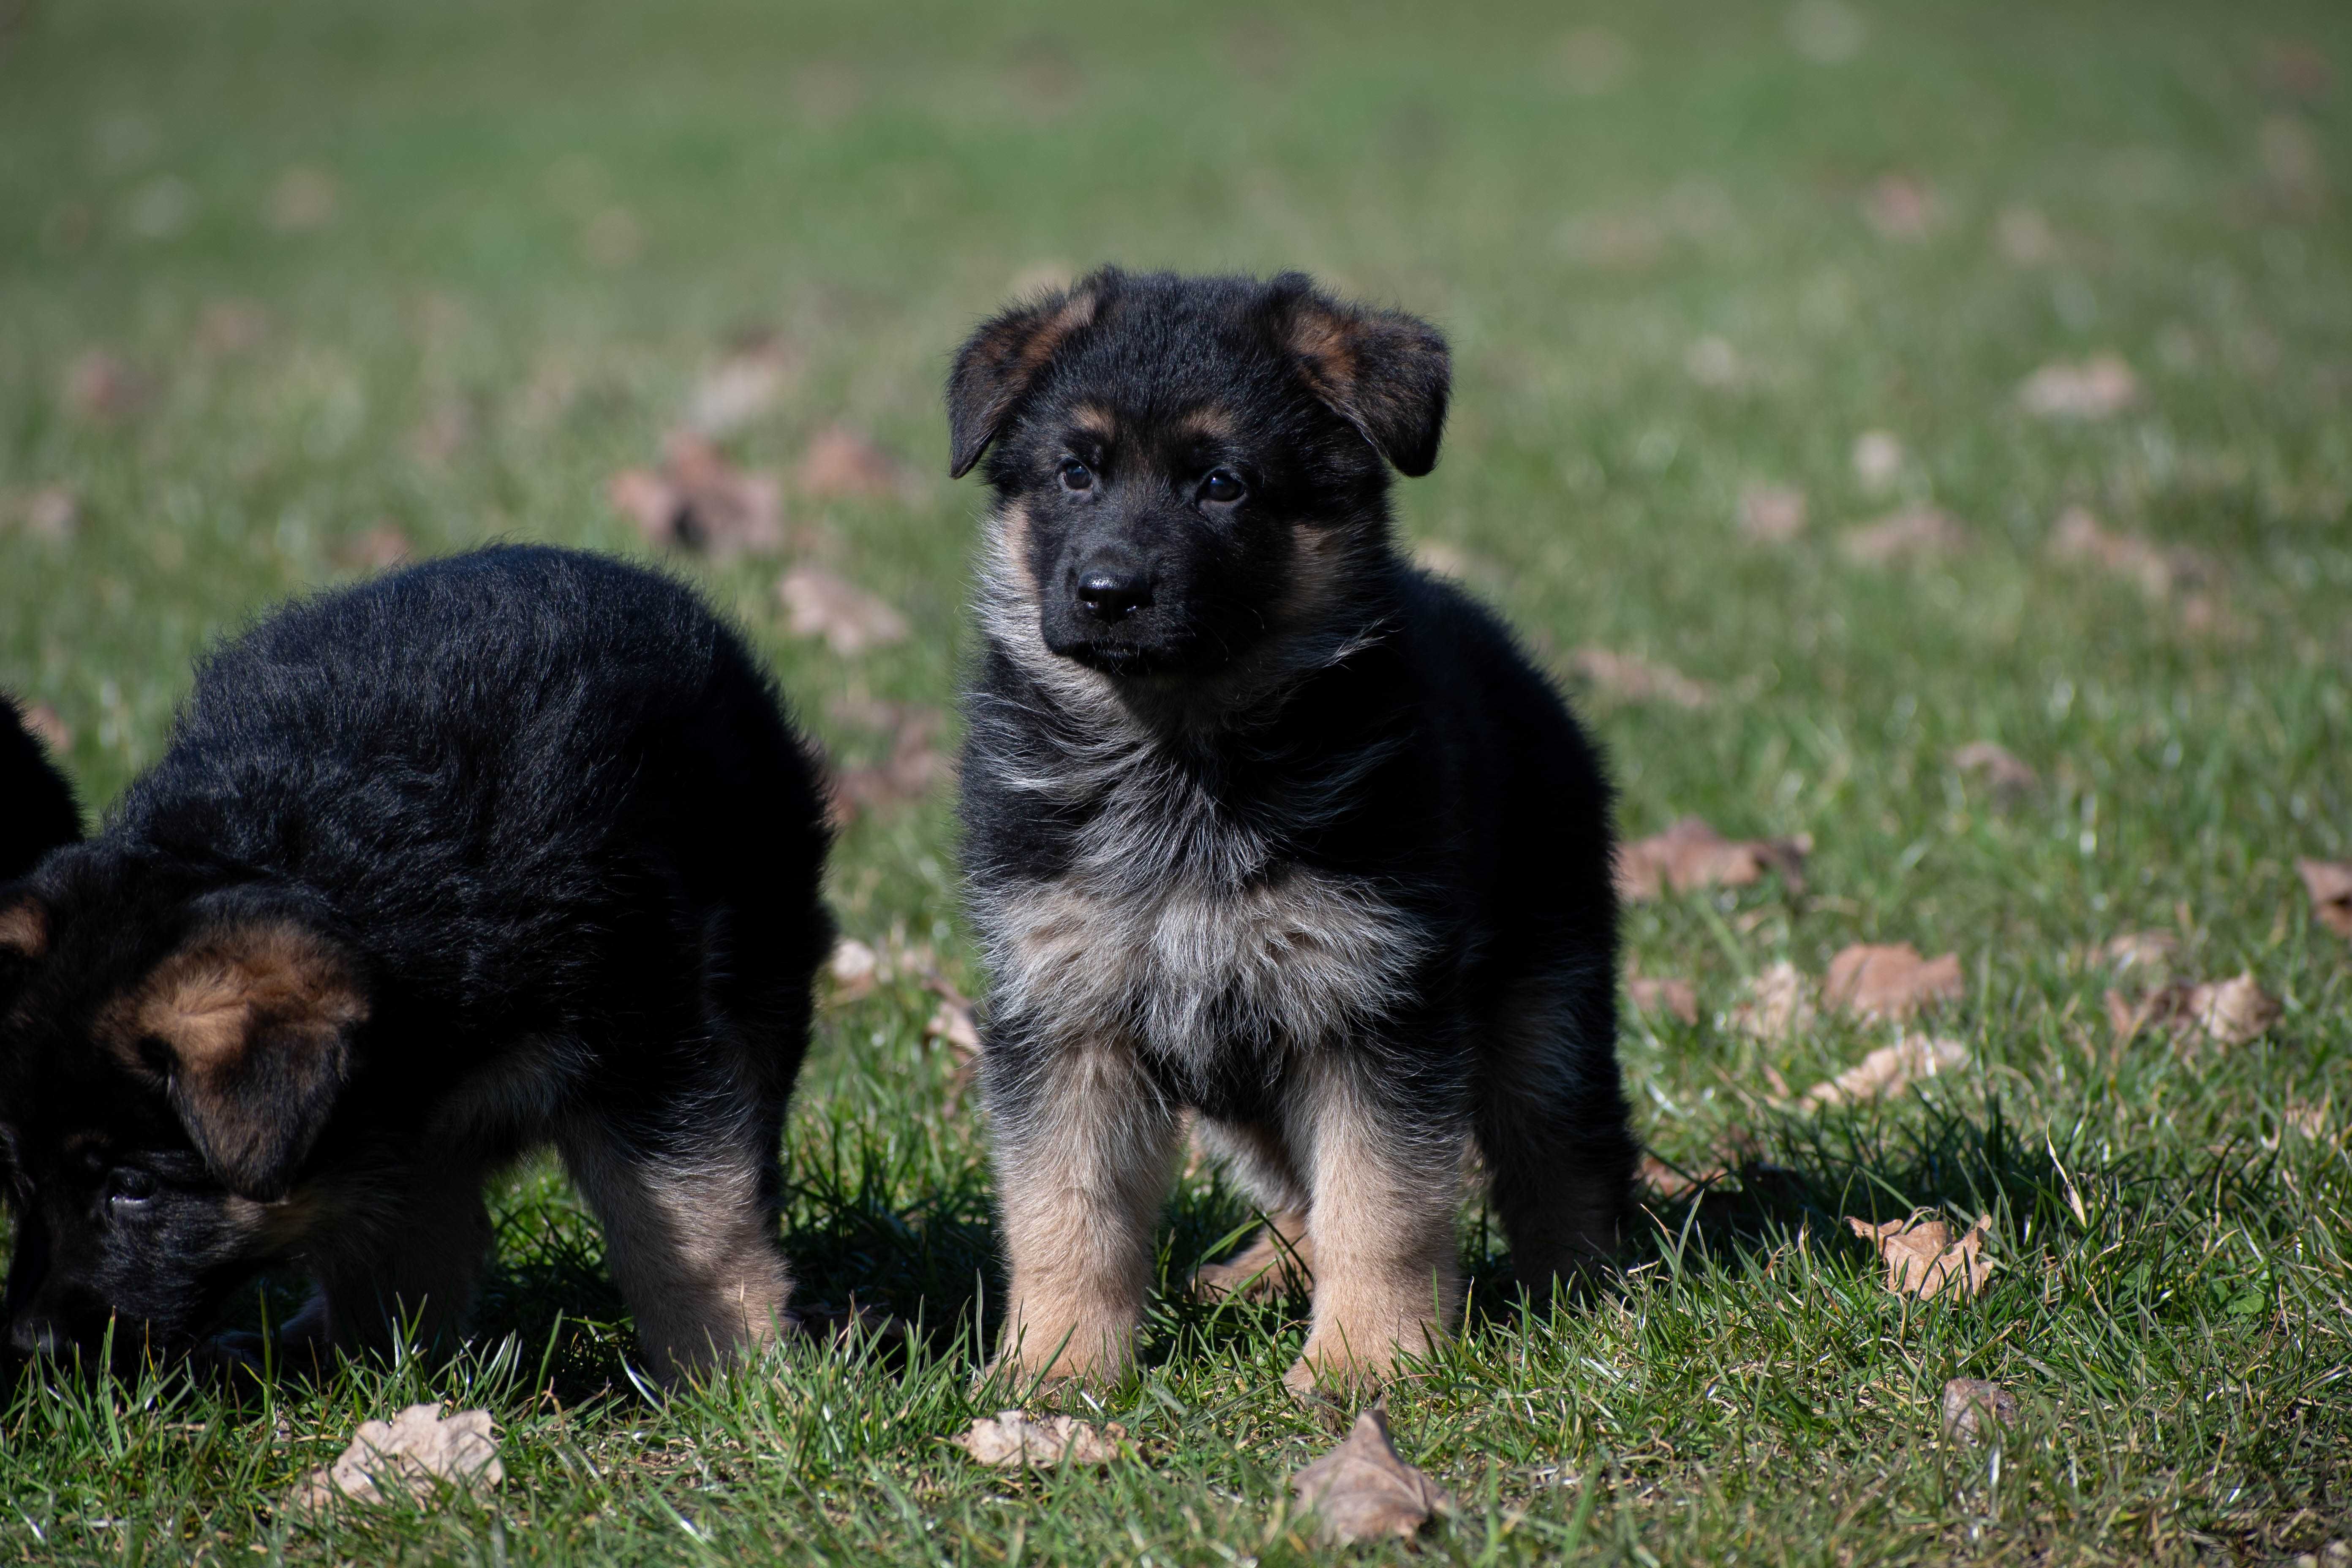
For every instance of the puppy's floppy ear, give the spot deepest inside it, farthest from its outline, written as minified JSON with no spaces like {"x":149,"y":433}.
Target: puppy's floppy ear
{"x":1383,"y":372}
{"x":998,"y":363}
{"x":250,"y":1021}
{"x":24,"y":939}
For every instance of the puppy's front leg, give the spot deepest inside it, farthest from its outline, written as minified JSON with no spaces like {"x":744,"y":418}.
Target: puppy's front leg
{"x":1388,"y":1276}
{"x":1084,"y":1151}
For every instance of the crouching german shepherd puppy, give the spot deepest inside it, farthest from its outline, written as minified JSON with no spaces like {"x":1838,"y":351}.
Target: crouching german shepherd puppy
{"x":1262,"y":822}
{"x":506,"y":848}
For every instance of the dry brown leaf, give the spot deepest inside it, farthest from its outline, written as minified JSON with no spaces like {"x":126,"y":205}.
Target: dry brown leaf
{"x":2000,"y":767}
{"x":1900,"y":207}
{"x":103,"y":388}
{"x":740,"y":387}
{"x":2095,"y":388}
{"x":1917,"y":533}
{"x":42,"y":721}
{"x":1691,"y":854}
{"x":2232,"y":1012}
{"x":1668,"y":1182}
{"x":1923,"y":1260}
{"x":841,"y":463}
{"x":303,"y":199}
{"x":231,"y":327}
{"x":2149,"y":950}
{"x":913,"y":768}
{"x":1777,"y":1004}
{"x":1974,"y":1408}
{"x":1889,"y":1070}
{"x":1877,"y":458}
{"x":1629,"y":678}
{"x":407,"y":1458}
{"x":1771,"y":514}
{"x":1889,"y":981}
{"x":2329,"y":883}
{"x":1013,"y":1440}
{"x":1664,"y":995}
{"x":2026,"y":237}
{"x":50,"y":512}
{"x":951,"y":1024}
{"x":2158,"y":569}
{"x":1440,"y":559}
{"x":699,"y":500}
{"x":1362,"y":1491}
{"x":823,"y":603}
{"x":375,"y":550}
{"x":854,"y":970}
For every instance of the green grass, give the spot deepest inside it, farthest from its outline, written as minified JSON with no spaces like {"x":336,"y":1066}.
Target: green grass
{"x":2172,"y":1304}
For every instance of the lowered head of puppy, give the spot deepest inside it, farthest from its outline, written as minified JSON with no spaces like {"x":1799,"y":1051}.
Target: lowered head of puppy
{"x":508,"y":850}
{"x":1263,"y":824}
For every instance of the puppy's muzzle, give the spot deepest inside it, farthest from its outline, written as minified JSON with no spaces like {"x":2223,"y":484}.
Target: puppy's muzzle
{"x":1111,"y":587}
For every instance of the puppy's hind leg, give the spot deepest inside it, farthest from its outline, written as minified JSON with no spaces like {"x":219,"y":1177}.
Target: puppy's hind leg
{"x":1552,"y":1125}
{"x":1281,"y":1257}
{"x":689,"y":1235}
{"x":1084,"y":1148}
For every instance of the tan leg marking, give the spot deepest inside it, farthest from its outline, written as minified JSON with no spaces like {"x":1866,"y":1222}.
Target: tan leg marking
{"x":1388,"y":1277}
{"x":1080,"y":1187}
{"x":692,"y":1249}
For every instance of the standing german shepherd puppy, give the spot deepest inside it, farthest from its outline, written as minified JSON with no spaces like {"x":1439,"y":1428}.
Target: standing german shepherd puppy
{"x":1263,"y":822}
{"x":508,"y":848}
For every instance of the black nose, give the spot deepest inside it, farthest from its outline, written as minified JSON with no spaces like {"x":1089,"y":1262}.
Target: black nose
{"x":1113,"y":595}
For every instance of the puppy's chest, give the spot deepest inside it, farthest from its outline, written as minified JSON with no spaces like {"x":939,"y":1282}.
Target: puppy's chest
{"x":1176,"y":927}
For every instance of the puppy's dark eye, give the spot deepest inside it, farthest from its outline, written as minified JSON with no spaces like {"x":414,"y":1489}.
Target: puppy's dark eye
{"x":1223,"y":487}
{"x":130,"y":1185}
{"x":1077,"y":476}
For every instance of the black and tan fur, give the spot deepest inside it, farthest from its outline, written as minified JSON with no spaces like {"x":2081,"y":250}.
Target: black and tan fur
{"x":508,"y":850}
{"x":1263,"y":824}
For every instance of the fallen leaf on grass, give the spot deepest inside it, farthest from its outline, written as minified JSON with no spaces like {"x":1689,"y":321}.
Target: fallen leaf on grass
{"x":2000,"y":767}
{"x":1889,"y":1070}
{"x":1691,"y":854}
{"x":1630,"y":677}
{"x":842,"y":463}
{"x":1362,"y":1491}
{"x":2158,"y":569}
{"x":1972,"y":1407}
{"x":2232,"y":1012}
{"x":854,"y":969}
{"x":1889,"y":981}
{"x":49,"y":512}
{"x":2095,"y":388}
{"x":379,"y":548}
{"x":1918,"y":534}
{"x":1771,"y":514}
{"x":699,"y":500}
{"x":1900,"y":207}
{"x":1877,"y":458}
{"x":103,"y":388}
{"x":52,"y":732}
{"x":740,"y":388}
{"x":1778,"y":1003}
{"x":822,"y":604}
{"x":1664,"y":995}
{"x":951,"y":1024}
{"x":2150,"y":950}
{"x":1923,"y":1260}
{"x":1013,"y":1440}
{"x":2329,"y":883}
{"x":303,"y":199}
{"x":913,"y":768}
{"x":407,"y":1458}
{"x":1668,"y":1182}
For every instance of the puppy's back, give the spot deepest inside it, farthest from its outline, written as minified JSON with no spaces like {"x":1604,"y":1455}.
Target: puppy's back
{"x":478,"y":757}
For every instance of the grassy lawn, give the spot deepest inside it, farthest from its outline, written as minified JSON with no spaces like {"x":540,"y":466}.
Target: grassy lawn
{"x":278,"y":283}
